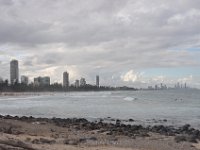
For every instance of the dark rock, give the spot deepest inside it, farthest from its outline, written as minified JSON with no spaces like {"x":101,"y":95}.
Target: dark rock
{"x":192,"y":139}
{"x":131,"y":120}
{"x":136,"y":127}
{"x":16,"y":117}
{"x":185,"y":127}
{"x":8,"y":117}
{"x":118,"y":121}
{"x":180,"y":139}
{"x":101,"y":120}
{"x":47,"y":141}
{"x":196,"y":133}
{"x":43,"y":141}
{"x":52,"y":130}
{"x":109,"y":133}
{"x":93,"y":138}
{"x":36,"y":141}
{"x":183,"y":138}
{"x":82,"y":140}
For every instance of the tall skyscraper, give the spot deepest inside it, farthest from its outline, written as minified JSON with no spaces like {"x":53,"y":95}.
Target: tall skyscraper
{"x":65,"y":79}
{"x":14,"y":72}
{"x":97,"y":81}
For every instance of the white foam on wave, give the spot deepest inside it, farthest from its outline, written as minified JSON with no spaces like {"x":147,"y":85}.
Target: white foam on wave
{"x":130,"y":99}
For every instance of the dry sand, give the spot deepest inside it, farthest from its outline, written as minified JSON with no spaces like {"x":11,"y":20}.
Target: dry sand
{"x":20,"y":135}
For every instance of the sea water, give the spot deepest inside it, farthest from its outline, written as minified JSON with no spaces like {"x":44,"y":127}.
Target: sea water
{"x":178,"y":107}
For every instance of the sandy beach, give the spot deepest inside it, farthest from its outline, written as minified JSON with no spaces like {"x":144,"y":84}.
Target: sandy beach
{"x":28,"y":133}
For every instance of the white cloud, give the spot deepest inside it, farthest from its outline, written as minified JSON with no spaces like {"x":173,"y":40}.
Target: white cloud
{"x":159,"y":79}
{"x":130,"y":76}
{"x":188,"y":79}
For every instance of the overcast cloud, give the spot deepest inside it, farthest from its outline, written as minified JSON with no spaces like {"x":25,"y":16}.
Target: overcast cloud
{"x":121,"y":40}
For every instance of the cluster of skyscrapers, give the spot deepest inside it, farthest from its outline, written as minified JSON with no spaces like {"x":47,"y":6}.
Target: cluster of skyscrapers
{"x":164,"y":86}
{"x":180,"y":85}
{"x":43,"y":81}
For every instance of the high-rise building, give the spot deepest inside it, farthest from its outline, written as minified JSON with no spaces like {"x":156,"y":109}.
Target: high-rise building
{"x":24,"y":80}
{"x":76,"y":84}
{"x":65,"y":79}
{"x":97,"y":81}
{"x":14,"y":72}
{"x":161,"y":86}
{"x":42,"y":81}
{"x":1,"y":80}
{"x":82,"y":82}
{"x":178,"y":85}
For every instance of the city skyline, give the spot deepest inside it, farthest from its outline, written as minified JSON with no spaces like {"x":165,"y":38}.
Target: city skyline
{"x":134,"y":43}
{"x":46,"y":80}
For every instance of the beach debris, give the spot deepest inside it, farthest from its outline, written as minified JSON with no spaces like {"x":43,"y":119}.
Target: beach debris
{"x":43,"y":141}
{"x":15,"y":144}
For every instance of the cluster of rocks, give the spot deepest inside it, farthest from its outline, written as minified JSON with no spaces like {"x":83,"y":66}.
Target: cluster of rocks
{"x":184,"y":133}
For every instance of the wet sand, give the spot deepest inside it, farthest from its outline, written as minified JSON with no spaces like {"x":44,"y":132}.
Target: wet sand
{"x":28,"y":133}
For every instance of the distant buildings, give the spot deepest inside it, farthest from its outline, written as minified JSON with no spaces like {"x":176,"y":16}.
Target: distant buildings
{"x":180,"y":86}
{"x":42,"y":81}
{"x":82,"y":82}
{"x":150,"y":88}
{"x":1,"y":80}
{"x":163,"y":87}
{"x":76,"y":84}
{"x":97,"y":81}
{"x":24,"y":80}
{"x":14,"y":72}
{"x":65,"y":79}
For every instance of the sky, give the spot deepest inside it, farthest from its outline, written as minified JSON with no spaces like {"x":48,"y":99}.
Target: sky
{"x":126,"y":42}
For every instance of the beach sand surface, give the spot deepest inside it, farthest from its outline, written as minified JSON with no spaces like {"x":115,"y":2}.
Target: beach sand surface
{"x":22,"y":135}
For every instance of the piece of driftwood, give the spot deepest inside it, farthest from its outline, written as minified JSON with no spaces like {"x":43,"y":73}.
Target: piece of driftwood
{"x":16,"y":144}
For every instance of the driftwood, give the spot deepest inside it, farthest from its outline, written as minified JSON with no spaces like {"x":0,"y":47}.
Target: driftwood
{"x":6,"y":147}
{"x":15,"y":144}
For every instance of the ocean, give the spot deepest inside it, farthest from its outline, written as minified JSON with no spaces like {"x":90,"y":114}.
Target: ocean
{"x":175,"y":107}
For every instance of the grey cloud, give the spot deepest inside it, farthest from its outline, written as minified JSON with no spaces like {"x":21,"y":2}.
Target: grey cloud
{"x":6,"y":2}
{"x":28,"y":63}
{"x":90,"y":22}
{"x":101,"y":36}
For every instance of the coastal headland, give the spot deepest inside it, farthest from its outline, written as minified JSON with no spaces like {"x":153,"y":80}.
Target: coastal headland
{"x":29,"y":133}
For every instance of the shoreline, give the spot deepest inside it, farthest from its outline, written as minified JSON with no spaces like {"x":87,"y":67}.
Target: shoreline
{"x":73,"y":133}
